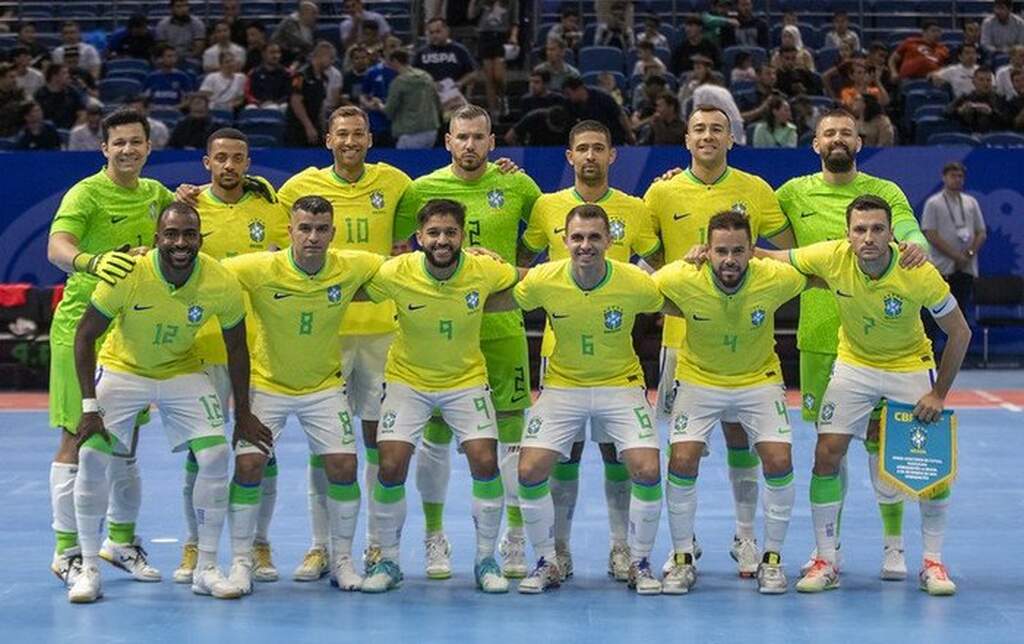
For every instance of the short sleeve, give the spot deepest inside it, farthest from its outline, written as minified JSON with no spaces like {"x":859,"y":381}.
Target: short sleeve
{"x":784,"y":199}
{"x":501,"y":274}
{"x":405,"y":213}
{"x":534,"y":237}
{"x":110,"y":300}
{"x":789,"y":282}
{"x":231,"y":307}
{"x":979,"y":223}
{"x":650,"y":200}
{"x":665,"y":284}
{"x":771,"y":220}
{"x":815,"y":259}
{"x":369,"y":266}
{"x":649,"y":298}
{"x":929,"y":217}
{"x":240,"y":267}
{"x":525,"y":292}
{"x":530,"y":192}
{"x":73,"y":213}
{"x":934,"y":289}
{"x":646,"y":241}
{"x":378,"y":288}
{"x":165,"y":197}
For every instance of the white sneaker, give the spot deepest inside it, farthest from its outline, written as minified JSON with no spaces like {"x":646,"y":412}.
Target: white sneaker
{"x":642,"y":580}
{"x":563,"y":559}
{"x":241,"y":574}
{"x":130,"y":558}
{"x":315,"y":565}
{"x":806,"y":568}
{"x":618,"y":562}
{"x":489,"y":578}
{"x":681,"y":575}
{"x":189,"y":557}
{"x":934,"y":579}
{"x":344,"y":575}
{"x":894,"y":565}
{"x":439,"y":556}
{"x":371,"y":555}
{"x":86,"y":588}
{"x":211,"y":581}
{"x":67,"y":565}
{"x":382,"y":577}
{"x":771,"y":580}
{"x":513,"y":555}
{"x":545,"y":574}
{"x":822,"y":576}
{"x":697,"y":552}
{"x":263,"y":568}
{"x":746,"y":555}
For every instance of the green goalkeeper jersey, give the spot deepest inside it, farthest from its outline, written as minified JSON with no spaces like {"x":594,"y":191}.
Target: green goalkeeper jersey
{"x":495,"y":204}
{"x":817,"y":212}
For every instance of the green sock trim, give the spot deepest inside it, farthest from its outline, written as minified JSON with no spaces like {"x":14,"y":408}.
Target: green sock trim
{"x":433,"y":516}
{"x":616,"y":472}
{"x":681,"y":481}
{"x":826,"y":489}
{"x":742,"y":458}
{"x":510,"y":428}
{"x":437,"y":431}
{"x":566,"y":472}
{"x":892,"y":518}
{"x":534,"y":492}
{"x":270,"y":469}
{"x":206,"y":442}
{"x":778,"y":481}
{"x":122,"y":533}
{"x":99,"y":444}
{"x":372,"y":456}
{"x":65,"y":540}
{"x":515,"y":516}
{"x":315,"y":460}
{"x":491,"y":489}
{"x":645,"y":492}
{"x":389,"y":494}
{"x":941,"y":495}
{"x":871,"y":447}
{"x":343,"y":491}
{"x":244,"y":494}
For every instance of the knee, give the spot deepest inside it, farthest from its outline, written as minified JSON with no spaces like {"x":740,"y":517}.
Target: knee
{"x":776,"y":463}
{"x":485,"y":466}
{"x":67,"y":450}
{"x":827,"y":457}
{"x":683,"y":462}
{"x":249,"y":468}
{"x":213,"y":460}
{"x":391,"y":471}
{"x":340,"y":467}
{"x":532,"y":470}
{"x":647,"y":472}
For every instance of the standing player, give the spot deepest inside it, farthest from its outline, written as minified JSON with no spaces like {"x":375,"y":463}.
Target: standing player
{"x":151,"y":357}
{"x":239,"y":215}
{"x":299,"y":297}
{"x":495,"y":203}
{"x":682,"y":207}
{"x":364,"y":197}
{"x":594,"y":375}
{"x":727,"y":368}
{"x":815,"y":206}
{"x":590,"y":154}
{"x":99,"y":217}
{"x":883,"y":353}
{"x":439,"y":294}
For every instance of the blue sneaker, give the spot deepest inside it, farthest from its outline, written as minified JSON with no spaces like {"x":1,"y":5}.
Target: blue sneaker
{"x":489,"y":578}
{"x":382,"y":577}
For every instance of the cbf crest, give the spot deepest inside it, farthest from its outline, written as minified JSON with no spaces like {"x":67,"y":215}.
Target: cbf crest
{"x":154,"y":210}
{"x":617,"y":229}
{"x":377,"y":199}
{"x":740,"y":207}
{"x":612,"y":318}
{"x":473,"y":300}
{"x":334,"y":293}
{"x":496,"y":198}
{"x":257,"y":230}
{"x":534,"y":425}
{"x":757,"y":317}
{"x":195,"y":314}
{"x":893,"y":305}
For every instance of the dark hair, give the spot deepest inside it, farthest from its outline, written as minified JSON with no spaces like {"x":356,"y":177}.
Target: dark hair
{"x":573,"y":82}
{"x":840,"y":12}
{"x":703,"y":107}
{"x":543,"y":74}
{"x":645,"y":44}
{"x":869,"y":202}
{"x":161,"y":49}
{"x":742,"y":57}
{"x":693,"y":20}
{"x":227,"y":133}
{"x":314,"y":205}
{"x":346,"y":111}
{"x":953,"y":166}
{"x":877,"y":45}
{"x":138,"y":98}
{"x":773,"y":104}
{"x":965,"y":46}
{"x":837,"y":112}
{"x":590,"y":125}
{"x":982,"y":69}
{"x":1004,"y":3}
{"x":69,"y":23}
{"x":179,"y":207}
{"x":440,"y":208}
{"x":729,"y":220}
{"x":137,"y":20}
{"x":53,"y":70}
{"x":670,"y":99}
{"x":437,"y":19}
{"x":928,"y":23}
{"x":6,"y":68}
{"x":123,"y":117}
{"x":588,"y":211}
{"x":656,"y":79}
{"x":872,"y":108}
{"x":569,"y":10}
{"x":19,"y":51}
{"x":399,"y":56}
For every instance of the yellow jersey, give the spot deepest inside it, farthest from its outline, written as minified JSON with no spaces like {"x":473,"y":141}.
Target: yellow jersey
{"x":880,"y":319}
{"x":683,"y":206}
{"x":437,"y":347}
{"x":364,"y":218}
{"x":730,"y":337}
{"x":593,"y":328}
{"x":297,"y":349}
{"x":155,"y":323}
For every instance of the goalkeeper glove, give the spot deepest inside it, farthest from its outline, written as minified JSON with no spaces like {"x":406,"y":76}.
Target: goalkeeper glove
{"x":111,"y":266}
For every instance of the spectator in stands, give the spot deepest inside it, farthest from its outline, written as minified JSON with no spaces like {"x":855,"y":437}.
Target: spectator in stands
{"x":220,"y":44}
{"x":412,"y":105}
{"x":982,"y":110}
{"x":693,"y":43}
{"x":29,"y":78}
{"x":554,"y":64}
{"x":805,"y":115}
{"x":1002,"y":29}
{"x":135,"y":40}
{"x":918,"y":56}
{"x":615,"y":32}
{"x":645,"y":101}
{"x":309,"y":91}
{"x":270,"y":84}
{"x":666,"y":128}
{"x":27,"y":39}
{"x":369,"y":36}
{"x":841,"y":32}
{"x":296,"y":32}
{"x":836,"y":77}
{"x":232,"y":10}
{"x":168,"y":86}
{"x":754,"y":104}
{"x":1004,"y":82}
{"x":652,"y":33}
{"x":790,"y":37}
{"x":591,"y":103}
{"x":959,"y":76}
{"x":873,"y":125}
{"x":159,"y":135}
{"x":225,"y":87}
{"x":878,"y":67}
{"x":36,"y":133}
{"x":355,"y":17}
{"x":87,"y":135}
{"x":62,"y":104}
{"x":792,"y":78}
{"x":538,"y":96}
{"x":702,"y":73}
{"x":88,"y":57}
{"x":255,"y":43}
{"x":863,"y":82}
{"x":568,"y":28}
{"x":546,"y":126}
{"x":776,"y":129}
{"x":81,"y":80}
{"x":375,"y":85}
{"x":751,"y":30}
{"x":352,"y":79}
{"x":606,"y":82}
{"x":719,"y":96}
{"x":444,"y":58}
{"x":719,"y":28}
{"x":1015,"y":106}
{"x":497,"y":23}
{"x":192,"y":131}
{"x":11,"y":101}
{"x":183,"y":31}
{"x":647,"y":63}
{"x":743,"y":68}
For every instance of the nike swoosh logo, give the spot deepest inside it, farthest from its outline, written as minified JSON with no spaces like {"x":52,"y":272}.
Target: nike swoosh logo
{"x":698,"y":318}
{"x":807,"y":214}
{"x":117,"y":220}
{"x":559,"y":231}
{"x":677,"y":216}
{"x":841,"y":294}
{"x":480,"y":428}
{"x":518,"y":398}
{"x":205,"y":235}
{"x":139,"y":307}
{"x":559,"y":317}
{"x":281,"y":296}
{"x":417,"y":307}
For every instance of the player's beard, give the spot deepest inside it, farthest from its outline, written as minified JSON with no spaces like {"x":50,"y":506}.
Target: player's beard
{"x":592,"y":174}
{"x":732,"y":282}
{"x":432,"y":257}
{"x":838,"y":164}
{"x":226,"y":182}
{"x":470,"y":163}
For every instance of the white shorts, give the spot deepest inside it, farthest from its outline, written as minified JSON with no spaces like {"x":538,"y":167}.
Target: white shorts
{"x":221,"y":379}
{"x":667,"y":385}
{"x":405,"y":412}
{"x":324,"y":416}
{"x":189,"y":406}
{"x":854,"y":391}
{"x":362,"y":365}
{"x":619,"y":415}
{"x":596,"y":432}
{"x":760,"y":409}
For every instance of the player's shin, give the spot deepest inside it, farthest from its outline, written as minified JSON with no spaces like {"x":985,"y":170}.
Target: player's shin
{"x":644,"y":516}
{"x":433,"y":469}
{"x":681,"y":500}
{"x":211,"y":495}
{"x":92,"y":491}
{"x":390,"y":507}
{"x":268,"y":500}
{"x":744,"y":470}
{"x":371,"y":466}
{"x":62,"y":500}
{"x":826,"y":499}
{"x":243,"y":513}
{"x":616,"y":494}
{"x":890,"y":503}
{"x":187,"y":490}
{"x":125,"y":500}
{"x":343,"y":512}
{"x":318,"y":501}
{"x":538,"y":510}
{"x":565,"y":489}
{"x":934,"y":513}
{"x":779,"y":496}
{"x":488,"y":499}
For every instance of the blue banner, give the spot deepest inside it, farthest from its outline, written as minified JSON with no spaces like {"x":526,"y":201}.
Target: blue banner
{"x":917,"y":458}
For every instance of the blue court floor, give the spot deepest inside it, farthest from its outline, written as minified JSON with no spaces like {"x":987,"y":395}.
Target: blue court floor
{"x":982,"y":551}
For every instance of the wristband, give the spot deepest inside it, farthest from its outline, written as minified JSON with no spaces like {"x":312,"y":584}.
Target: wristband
{"x":90,"y":406}
{"x":81,"y":262}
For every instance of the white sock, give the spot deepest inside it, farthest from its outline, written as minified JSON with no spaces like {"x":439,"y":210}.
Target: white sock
{"x":211,"y":497}
{"x":243,"y":513}
{"x":681,"y":499}
{"x":343,"y":512}
{"x":488,"y":503}
{"x":268,"y":500}
{"x":433,"y":469}
{"x":92,"y":492}
{"x":537,"y":506}
{"x":125,"y":491}
{"x":844,"y":484}
{"x":509,"y":468}
{"x":318,"y":501}
{"x":885,"y":494}
{"x":191,"y":529}
{"x":934,"y":514}
{"x":565,"y":489}
{"x":616,"y":496}
{"x":62,"y":496}
{"x":390,"y":505}
{"x":371,"y":466}
{"x":644,"y":516}
{"x":825,"y":507}
{"x":744,"y":494}
{"x":779,"y":497}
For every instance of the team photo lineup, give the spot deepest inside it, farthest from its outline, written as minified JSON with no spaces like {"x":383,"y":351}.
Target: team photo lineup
{"x":379,"y":309}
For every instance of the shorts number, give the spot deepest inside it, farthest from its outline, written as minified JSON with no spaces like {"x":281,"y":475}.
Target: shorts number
{"x":165,"y":333}
{"x":214,"y":414}
{"x":730,"y":341}
{"x":306,"y":323}
{"x":588,"y":344}
{"x":446,"y":328}
{"x":481,"y":405}
{"x":869,"y":323}
{"x":644,"y":419}
{"x":474,"y":232}
{"x":780,"y":409}
{"x":358,"y":230}
{"x":520,"y":381}
{"x":346,"y":427}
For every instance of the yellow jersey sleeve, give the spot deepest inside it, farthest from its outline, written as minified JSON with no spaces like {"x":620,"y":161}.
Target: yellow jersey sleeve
{"x":770,"y":220}
{"x":817,"y":259}
{"x":789,"y":282}
{"x":645,"y":240}
{"x":110,"y":300}
{"x":535,"y":236}
{"x":934,"y":289}
{"x":525,"y":291}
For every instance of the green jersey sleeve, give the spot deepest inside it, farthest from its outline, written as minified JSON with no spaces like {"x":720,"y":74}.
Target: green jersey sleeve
{"x":405,"y":213}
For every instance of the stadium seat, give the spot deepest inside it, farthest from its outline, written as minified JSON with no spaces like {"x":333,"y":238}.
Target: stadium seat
{"x":7,"y":143}
{"x":896,"y":36}
{"x":952,"y":138}
{"x":822,"y":102}
{"x":117,"y":90}
{"x":128,"y":63}
{"x":931,"y":125}
{"x":1003,"y":140}
{"x":729,"y":56}
{"x":167,"y":116}
{"x":331,"y":33}
{"x":132,"y":74}
{"x":998,"y":302}
{"x":263,"y":141}
{"x":915,"y":84}
{"x":742,"y":86}
{"x":64,"y":134}
{"x":588,"y":34}
{"x":929,"y":110}
{"x":260,"y":115}
{"x":826,"y":58}
{"x":272,"y":129}
{"x":601,"y":59}
{"x":916,"y":98}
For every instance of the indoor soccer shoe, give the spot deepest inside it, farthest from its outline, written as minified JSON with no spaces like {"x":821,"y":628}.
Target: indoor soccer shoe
{"x":806,"y":568}
{"x":935,"y":579}
{"x":771,"y":580}
{"x":513,"y":555}
{"x":821,"y":576}
{"x":745,"y":553}
{"x":488,"y":576}
{"x":241,"y":574}
{"x":314,"y":565}
{"x":189,"y":557}
{"x":263,"y":568}
{"x":131,"y":558}
{"x":545,"y":575}
{"x":211,"y":581}
{"x":67,"y":565}
{"x":618,"y":562}
{"x":86,"y":588}
{"x":382,"y":577}
{"x":641,"y":579}
{"x":894,"y":565}
{"x":697,"y":552}
{"x":681,"y":575}
{"x":371,"y":555}
{"x":344,"y":575}
{"x":563,"y":558}
{"x":438,"y":556}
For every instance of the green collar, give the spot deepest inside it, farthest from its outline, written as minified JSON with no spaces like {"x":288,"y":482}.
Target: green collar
{"x":604,"y":280}
{"x":718,"y":287}
{"x":893,"y":260}
{"x":342,"y":180}
{"x":298,"y":269}
{"x":216,"y":199}
{"x":194,"y":275}
{"x":605,"y":197}
{"x":458,"y":268}
{"x":692,"y":177}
